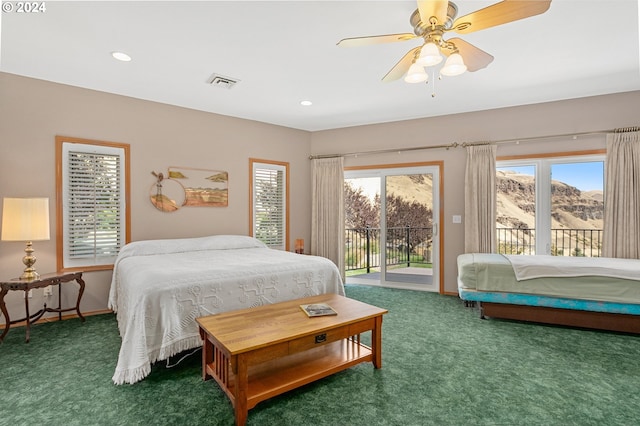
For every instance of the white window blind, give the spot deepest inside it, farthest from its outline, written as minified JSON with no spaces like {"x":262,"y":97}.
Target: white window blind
{"x":93,"y":204}
{"x":269,"y":204}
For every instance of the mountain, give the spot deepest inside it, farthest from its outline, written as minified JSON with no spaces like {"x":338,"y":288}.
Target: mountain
{"x":570,"y":207}
{"x":572,"y":210}
{"x":412,"y":188}
{"x":515,"y":199}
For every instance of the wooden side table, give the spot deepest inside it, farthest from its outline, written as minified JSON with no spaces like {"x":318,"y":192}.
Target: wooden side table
{"x":41,"y":282}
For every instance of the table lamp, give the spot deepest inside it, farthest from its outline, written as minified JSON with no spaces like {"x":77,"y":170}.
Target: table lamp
{"x":26,"y":219}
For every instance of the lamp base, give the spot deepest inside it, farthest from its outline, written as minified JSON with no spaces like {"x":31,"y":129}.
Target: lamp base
{"x":29,"y":260}
{"x":29,"y":275}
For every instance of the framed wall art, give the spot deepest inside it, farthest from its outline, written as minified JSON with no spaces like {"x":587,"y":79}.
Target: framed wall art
{"x":202,"y":188}
{"x":166,"y":194}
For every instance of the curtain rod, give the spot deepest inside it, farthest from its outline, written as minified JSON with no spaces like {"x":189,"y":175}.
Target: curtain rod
{"x":465,"y":144}
{"x":382,"y":151}
{"x":627,"y":129}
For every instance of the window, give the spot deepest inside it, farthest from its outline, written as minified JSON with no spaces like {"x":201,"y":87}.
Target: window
{"x":92,"y":187}
{"x":269,"y":202}
{"x":551,"y":205}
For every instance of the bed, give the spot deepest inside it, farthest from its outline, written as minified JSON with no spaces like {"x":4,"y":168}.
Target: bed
{"x":598,"y":293}
{"x":159,"y":287}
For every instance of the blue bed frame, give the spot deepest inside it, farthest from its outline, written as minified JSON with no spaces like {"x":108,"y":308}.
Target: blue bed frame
{"x":592,"y":314}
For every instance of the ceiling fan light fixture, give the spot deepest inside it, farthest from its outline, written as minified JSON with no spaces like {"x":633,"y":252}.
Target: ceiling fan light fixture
{"x":454,"y":66}
{"x":429,"y":55}
{"x":416,"y":74}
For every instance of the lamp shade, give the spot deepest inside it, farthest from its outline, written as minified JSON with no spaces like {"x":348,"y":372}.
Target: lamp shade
{"x":454,"y":65}
{"x":429,"y":55}
{"x":25,"y":219}
{"x":416,"y":74}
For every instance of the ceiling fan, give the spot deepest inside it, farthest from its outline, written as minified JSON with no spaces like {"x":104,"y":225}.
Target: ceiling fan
{"x":432,"y":20}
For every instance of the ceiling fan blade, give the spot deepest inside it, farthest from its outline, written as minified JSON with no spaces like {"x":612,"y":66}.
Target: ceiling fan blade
{"x":498,"y":14}
{"x":474,"y":58}
{"x":402,"y":66}
{"x":436,"y":8}
{"x":365,"y":41}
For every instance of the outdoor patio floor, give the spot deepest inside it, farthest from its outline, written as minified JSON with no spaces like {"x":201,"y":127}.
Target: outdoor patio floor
{"x":403,"y":275}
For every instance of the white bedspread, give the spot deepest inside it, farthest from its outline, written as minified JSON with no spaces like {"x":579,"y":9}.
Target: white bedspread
{"x":528,"y":267}
{"x":159,"y":288}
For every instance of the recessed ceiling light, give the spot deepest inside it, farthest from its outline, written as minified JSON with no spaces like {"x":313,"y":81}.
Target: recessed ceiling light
{"x":306,"y":103}
{"x":121,"y":56}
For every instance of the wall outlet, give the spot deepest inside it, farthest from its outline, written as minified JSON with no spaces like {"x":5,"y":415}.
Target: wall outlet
{"x":48,"y":291}
{"x":457,"y":218}
{"x":29,"y":294}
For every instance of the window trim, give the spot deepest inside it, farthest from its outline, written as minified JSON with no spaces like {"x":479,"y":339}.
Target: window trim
{"x":252,"y":163}
{"x":60,"y":141}
{"x":542,"y":165}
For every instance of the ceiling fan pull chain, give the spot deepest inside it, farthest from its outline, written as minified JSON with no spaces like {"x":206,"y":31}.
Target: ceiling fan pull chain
{"x":433,"y":79}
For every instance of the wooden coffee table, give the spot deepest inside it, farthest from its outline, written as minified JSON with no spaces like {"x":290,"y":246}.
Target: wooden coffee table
{"x":257,"y":353}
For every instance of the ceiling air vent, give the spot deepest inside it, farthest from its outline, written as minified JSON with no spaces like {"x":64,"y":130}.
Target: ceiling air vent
{"x":222,"y":81}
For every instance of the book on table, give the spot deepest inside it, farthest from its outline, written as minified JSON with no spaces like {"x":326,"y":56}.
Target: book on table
{"x":318,"y":310}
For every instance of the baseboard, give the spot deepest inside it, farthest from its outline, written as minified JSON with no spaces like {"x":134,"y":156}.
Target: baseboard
{"x":55,"y":318}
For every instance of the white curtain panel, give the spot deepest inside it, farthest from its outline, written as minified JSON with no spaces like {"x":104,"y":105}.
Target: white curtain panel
{"x":480,"y":200}
{"x":327,"y":210}
{"x":622,"y":196}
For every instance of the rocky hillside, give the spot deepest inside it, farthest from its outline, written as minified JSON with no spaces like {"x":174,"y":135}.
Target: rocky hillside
{"x":570,"y":207}
{"x":576,"y":211}
{"x":412,"y":188}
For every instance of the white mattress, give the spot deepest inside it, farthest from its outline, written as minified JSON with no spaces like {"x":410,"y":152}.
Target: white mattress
{"x":495,"y":273}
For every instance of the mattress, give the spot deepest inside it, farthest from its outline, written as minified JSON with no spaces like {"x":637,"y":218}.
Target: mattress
{"x":484,"y":272}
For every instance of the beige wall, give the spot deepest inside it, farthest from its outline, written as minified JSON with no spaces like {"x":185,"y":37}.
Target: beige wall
{"x":32,"y":112}
{"x":572,"y":116}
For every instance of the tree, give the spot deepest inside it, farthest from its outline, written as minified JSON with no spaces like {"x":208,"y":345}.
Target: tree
{"x":359,"y":211}
{"x":415,"y":215}
{"x":362,"y":212}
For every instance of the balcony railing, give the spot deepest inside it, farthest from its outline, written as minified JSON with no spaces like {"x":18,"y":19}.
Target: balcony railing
{"x":408,"y":245}
{"x":564,"y":242}
{"x":405,"y":246}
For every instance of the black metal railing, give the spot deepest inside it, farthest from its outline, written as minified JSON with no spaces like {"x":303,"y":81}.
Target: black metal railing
{"x":405,"y":246}
{"x":564,"y":242}
{"x":409,"y":245}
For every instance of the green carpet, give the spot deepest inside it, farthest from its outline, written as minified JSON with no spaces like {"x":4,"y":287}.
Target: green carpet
{"x":442,"y":365}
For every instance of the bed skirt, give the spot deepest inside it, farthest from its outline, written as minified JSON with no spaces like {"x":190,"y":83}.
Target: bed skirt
{"x":611,"y":316}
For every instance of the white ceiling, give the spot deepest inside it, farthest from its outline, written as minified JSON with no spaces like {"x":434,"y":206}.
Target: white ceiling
{"x":284,"y":52}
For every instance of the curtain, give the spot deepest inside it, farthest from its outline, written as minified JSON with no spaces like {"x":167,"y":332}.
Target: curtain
{"x":327,"y":210}
{"x":622,"y":196}
{"x":480,"y":200}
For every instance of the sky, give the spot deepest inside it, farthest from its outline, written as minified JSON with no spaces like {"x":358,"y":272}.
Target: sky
{"x":370,"y":186}
{"x":584,"y":176}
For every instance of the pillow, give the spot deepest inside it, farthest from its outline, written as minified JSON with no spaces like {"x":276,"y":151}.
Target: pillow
{"x":182,"y":245}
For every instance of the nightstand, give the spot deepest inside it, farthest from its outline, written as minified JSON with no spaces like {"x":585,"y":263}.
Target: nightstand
{"x":45,"y":280}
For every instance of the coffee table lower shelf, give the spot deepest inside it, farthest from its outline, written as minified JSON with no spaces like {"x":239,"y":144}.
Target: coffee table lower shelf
{"x":274,"y":377}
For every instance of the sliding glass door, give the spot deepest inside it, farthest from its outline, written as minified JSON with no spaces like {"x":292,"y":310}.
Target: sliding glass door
{"x":392,"y":224}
